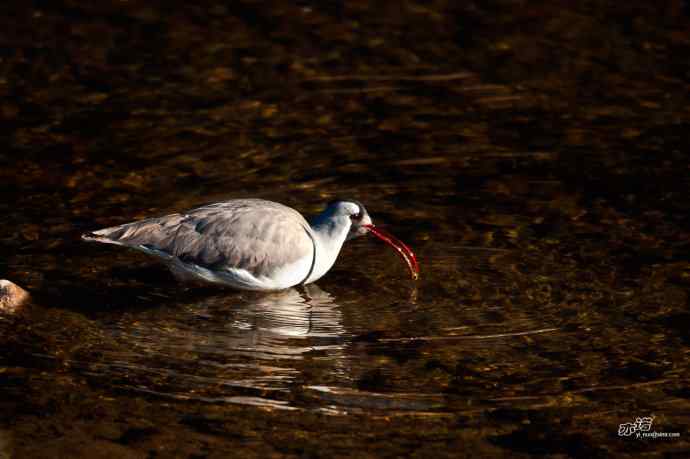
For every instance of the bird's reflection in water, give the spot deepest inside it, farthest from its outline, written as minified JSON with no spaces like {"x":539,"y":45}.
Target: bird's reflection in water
{"x":224,"y":347}
{"x":309,"y":313}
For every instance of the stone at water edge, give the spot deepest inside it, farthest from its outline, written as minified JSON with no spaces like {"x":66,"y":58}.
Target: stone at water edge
{"x":12,"y":296}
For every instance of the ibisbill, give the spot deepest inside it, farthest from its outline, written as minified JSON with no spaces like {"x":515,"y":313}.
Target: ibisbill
{"x":251,"y":244}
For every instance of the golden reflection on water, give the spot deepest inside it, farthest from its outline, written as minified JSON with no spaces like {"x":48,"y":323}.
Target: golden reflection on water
{"x":540,"y":177}
{"x":5,"y":444}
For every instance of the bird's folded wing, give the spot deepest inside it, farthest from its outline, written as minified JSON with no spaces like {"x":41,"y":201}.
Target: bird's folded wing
{"x":255,"y":235}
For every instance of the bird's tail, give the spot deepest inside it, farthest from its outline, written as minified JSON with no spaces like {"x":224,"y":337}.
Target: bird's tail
{"x":104,"y":236}
{"x":128,"y":235}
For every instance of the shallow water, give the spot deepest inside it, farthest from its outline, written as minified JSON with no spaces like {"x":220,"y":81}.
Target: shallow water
{"x":534,"y":158}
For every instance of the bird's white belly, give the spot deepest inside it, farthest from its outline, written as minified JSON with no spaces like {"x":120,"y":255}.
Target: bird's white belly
{"x":281,"y":278}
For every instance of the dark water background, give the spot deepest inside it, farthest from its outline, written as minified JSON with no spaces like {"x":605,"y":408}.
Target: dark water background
{"x":535,"y":155}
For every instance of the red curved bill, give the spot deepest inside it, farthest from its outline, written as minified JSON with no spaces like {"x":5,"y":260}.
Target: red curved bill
{"x":403,"y":250}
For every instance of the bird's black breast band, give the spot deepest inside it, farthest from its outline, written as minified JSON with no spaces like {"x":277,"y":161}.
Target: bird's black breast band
{"x":313,"y":258}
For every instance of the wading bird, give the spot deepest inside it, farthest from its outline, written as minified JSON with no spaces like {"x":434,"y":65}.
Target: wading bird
{"x":251,"y":244}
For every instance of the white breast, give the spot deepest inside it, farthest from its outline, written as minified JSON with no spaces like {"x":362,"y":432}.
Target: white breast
{"x":328,"y":240}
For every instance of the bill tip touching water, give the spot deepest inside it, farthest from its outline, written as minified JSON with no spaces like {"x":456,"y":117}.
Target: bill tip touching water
{"x":251,"y":244}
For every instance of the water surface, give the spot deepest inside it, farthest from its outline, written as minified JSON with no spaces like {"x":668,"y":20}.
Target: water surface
{"x":535,"y":159}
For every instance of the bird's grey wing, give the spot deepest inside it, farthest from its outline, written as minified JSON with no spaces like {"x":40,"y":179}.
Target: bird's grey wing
{"x":256,"y":235}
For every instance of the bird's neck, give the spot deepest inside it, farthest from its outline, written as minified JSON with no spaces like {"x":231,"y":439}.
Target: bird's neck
{"x":329,"y":235}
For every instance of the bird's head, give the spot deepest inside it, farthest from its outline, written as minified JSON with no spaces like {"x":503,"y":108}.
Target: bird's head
{"x":357,"y":214}
{"x":361,"y":224}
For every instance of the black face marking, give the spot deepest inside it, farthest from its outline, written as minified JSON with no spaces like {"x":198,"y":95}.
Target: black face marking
{"x":359,"y":214}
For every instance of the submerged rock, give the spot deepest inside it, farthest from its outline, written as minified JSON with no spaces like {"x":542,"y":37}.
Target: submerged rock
{"x":12,"y":297}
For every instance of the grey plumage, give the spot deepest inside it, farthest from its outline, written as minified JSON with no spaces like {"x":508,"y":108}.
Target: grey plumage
{"x":219,"y":236}
{"x":251,"y":244}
